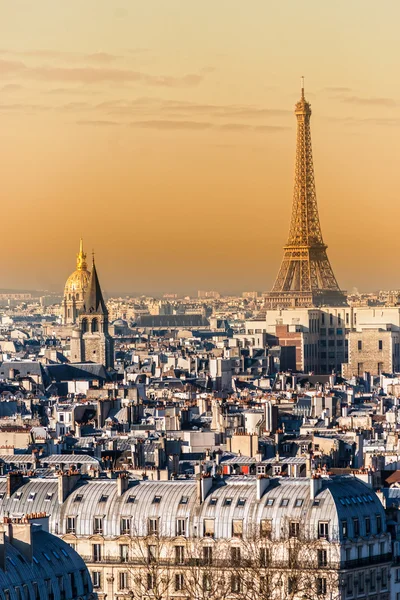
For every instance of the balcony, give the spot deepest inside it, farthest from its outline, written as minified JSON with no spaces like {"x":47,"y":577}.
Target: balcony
{"x":366,"y":561}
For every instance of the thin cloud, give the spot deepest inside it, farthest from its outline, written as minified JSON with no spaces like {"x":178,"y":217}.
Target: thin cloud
{"x":363,"y":101}
{"x":337,"y":89}
{"x":90,"y":75}
{"x":204,"y":125}
{"x":97,"y":57}
{"x":11,"y":87}
{"x":98,"y":123}
{"x":160,"y":124}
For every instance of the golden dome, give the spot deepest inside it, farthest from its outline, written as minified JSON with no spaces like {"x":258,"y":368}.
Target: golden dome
{"x":78,"y":281}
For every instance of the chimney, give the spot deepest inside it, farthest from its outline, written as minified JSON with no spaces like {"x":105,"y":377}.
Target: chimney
{"x":122,"y":484}
{"x":262,"y":484}
{"x":14,"y":481}
{"x":66,"y":483}
{"x":315,"y":486}
{"x":3,"y":564}
{"x":203,"y":486}
{"x":308,"y":466}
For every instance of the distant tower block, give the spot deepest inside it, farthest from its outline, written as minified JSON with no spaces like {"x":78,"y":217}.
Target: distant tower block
{"x":305,"y":278}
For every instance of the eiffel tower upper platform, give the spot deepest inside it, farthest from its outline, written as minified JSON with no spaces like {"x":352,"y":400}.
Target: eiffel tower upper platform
{"x":305,"y":278}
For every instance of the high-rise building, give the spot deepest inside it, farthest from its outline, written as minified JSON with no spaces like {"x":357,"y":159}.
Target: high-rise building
{"x":91,"y":341}
{"x":305,"y":278}
{"x":75,"y":289}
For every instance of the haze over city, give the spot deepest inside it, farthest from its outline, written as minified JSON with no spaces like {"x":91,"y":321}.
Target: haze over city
{"x":164,"y":134}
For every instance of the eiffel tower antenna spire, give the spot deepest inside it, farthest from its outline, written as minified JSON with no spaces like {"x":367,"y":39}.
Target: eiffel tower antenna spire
{"x":305,"y":277}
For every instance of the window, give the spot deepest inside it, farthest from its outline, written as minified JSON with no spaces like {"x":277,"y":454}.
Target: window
{"x":372,"y":580}
{"x":179,"y":555}
{"x":284,"y":502}
{"x":241,"y":502}
{"x":150,"y":581}
{"x":367,"y":525}
{"x":235,"y":555}
{"x":323,"y":529}
{"x":359,"y":345}
{"x":266,"y":528}
{"x":264,"y":557}
{"x":361,"y":582}
{"x":18,"y":496}
{"x":384,"y":578}
{"x":349,"y":585}
{"x":103,"y":498}
{"x":49,"y":496}
{"x":124,"y":552}
{"x":96,"y":548}
{"x":237,"y":528}
{"x":294,"y":529}
{"x":181,"y":527}
{"x":125,"y":525}
{"x":207,"y":582}
{"x":184,"y":500}
{"x":207,"y":555}
{"x":344,"y":529}
{"x":123,"y":580}
{"x":179,"y":582}
{"x":98,"y":525}
{"x":291,"y":585}
{"x":213,"y":501}
{"x":70,"y":527}
{"x":235,"y":584}
{"x":322,"y":558}
{"x":270,"y":502}
{"x":228,"y":501}
{"x":152,"y":554}
{"x":153,"y":526}
{"x":356,"y":527}
{"x":321,"y":586}
{"x":299,"y":502}
{"x":208,"y":527}
{"x":131,"y":499}
{"x":380,"y":345}
{"x":31,"y":497}
{"x":378,"y":524}
{"x":78,"y":498}
{"x":156,"y":499}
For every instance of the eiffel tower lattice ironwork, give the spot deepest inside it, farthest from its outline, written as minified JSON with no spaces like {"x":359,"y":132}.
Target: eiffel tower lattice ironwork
{"x":305,"y":277}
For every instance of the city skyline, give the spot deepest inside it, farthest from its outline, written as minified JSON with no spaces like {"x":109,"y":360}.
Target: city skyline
{"x":178,"y":167}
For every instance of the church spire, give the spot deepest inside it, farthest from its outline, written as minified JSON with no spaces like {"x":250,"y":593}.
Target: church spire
{"x":81,"y":264}
{"x":94,"y":301}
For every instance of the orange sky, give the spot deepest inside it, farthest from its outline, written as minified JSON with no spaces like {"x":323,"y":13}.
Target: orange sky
{"x":163,"y":133}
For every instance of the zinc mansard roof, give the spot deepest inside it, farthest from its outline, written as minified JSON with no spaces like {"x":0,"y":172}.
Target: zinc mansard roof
{"x":53,"y":558}
{"x":232,"y":498}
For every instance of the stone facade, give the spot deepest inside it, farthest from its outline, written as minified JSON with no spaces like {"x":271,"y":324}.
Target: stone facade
{"x":372,"y":351}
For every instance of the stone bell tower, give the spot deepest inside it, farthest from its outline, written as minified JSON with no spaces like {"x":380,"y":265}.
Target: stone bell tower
{"x":90,"y":340}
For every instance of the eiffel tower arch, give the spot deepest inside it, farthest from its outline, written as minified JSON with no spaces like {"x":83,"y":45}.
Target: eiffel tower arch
{"x":305,"y":278}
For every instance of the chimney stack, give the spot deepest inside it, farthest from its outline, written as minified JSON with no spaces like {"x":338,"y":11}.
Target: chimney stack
{"x":14,"y":481}
{"x":262,"y":484}
{"x":66,"y":483}
{"x":122,"y":484}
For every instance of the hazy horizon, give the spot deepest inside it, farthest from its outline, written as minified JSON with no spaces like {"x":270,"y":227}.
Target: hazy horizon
{"x":164,"y":134}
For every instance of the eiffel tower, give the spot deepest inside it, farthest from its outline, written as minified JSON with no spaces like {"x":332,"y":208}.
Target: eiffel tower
{"x":305,"y":278}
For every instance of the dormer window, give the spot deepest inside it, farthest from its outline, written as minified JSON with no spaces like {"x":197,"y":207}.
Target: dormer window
{"x":156,"y":499}
{"x":103,"y":498}
{"x":31,"y":497}
{"x":18,"y":496}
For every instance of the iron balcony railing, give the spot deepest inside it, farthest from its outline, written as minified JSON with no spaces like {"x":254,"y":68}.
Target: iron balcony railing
{"x":243,"y":563}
